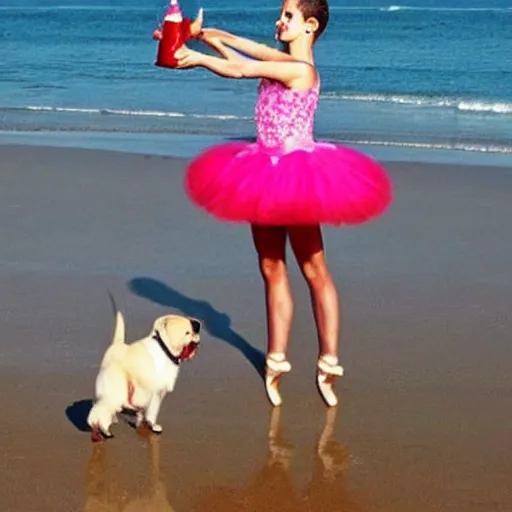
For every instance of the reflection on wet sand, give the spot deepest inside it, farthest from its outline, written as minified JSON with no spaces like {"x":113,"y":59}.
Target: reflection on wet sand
{"x":107,"y":491}
{"x":272,"y":488}
{"x":327,"y":489}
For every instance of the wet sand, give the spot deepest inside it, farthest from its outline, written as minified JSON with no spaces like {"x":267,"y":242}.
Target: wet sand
{"x":424,"y":420}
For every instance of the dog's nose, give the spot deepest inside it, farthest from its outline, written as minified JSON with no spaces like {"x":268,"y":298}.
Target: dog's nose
{"x":196,"y":326}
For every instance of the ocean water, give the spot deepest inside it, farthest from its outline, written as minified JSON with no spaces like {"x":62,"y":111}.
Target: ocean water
{"x":404,"y":74}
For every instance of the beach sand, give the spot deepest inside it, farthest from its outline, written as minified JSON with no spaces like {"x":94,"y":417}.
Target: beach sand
{"x":424,"y":420}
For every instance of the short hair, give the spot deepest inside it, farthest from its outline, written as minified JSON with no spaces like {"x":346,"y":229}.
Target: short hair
{"x":318,"y":9}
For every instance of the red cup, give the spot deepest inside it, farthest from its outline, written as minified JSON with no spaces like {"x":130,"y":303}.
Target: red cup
{"x":174,"y":35}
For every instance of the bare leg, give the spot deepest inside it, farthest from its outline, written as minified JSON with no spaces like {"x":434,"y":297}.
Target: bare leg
{"x":307,"y":245}
{"x":270,"y":243}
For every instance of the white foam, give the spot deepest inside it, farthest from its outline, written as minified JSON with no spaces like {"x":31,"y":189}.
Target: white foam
{"x":480,"y":148}
{"x":393,"y":8}
{"x":477,"y":106}
{"x":122,"y":112}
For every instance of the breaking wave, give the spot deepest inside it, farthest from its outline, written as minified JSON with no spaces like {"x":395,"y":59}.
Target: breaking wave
{"x":464,"y":105}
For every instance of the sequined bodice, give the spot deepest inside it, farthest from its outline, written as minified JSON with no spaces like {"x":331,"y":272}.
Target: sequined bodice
{"x":285,"y":117}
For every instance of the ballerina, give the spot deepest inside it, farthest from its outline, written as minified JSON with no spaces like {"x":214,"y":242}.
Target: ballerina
{"x":286,"y":185}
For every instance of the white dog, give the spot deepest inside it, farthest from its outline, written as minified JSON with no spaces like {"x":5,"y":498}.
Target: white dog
{"x":137,"y":376}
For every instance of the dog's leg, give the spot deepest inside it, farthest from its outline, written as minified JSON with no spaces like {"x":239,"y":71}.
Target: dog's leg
{"x":152,"y":411}
{"x":139,"y":418}
{"x":99,"y":420}
{"x":96,"y":436}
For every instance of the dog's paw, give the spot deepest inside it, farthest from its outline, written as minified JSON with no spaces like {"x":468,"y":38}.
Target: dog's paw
{"x":147,"y":427}
{"x":97,"y":435}
{"x":156,"y":428}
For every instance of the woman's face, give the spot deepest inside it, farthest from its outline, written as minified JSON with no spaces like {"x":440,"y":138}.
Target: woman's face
{"x":291,"y":23}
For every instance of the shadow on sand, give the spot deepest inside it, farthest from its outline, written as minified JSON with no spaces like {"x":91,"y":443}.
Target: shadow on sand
{"x":217,"y":324}
{"x":77,"y":413}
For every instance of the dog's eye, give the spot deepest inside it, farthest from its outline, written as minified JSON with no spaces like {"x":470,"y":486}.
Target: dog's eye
{"x":188,"y":333}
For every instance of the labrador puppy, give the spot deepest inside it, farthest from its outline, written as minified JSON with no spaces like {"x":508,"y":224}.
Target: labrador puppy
{"x":138,"y":375}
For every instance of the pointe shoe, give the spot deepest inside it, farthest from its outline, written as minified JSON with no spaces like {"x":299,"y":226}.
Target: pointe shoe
{"x":276,"y":366}
{"x":327,"y":370}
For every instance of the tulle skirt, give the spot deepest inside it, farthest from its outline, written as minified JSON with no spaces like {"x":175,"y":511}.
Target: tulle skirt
{"x":322,"y":183}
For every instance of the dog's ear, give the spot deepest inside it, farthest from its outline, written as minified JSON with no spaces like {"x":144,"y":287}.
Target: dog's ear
{"x":160,"y":326}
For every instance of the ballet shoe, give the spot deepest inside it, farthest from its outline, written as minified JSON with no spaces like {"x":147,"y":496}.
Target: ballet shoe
{"x":327,"y":371}
{"x":276,"y":366}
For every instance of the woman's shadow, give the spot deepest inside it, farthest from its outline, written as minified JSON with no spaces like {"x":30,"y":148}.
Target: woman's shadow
{"x":216,"y":323}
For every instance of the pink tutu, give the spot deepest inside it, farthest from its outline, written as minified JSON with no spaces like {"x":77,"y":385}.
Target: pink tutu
{"x":323,"y":184}
{"x":286,"y":178}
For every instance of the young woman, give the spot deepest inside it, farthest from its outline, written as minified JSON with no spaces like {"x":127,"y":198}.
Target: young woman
{"x":286,"y":184}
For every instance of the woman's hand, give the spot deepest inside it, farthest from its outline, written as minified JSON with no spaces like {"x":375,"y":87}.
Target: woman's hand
{"x":187,"y":58}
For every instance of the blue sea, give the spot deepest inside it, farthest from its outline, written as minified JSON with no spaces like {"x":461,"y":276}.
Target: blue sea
{"x":425,"y":75}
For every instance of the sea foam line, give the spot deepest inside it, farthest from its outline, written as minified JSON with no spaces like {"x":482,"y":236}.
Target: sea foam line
{"x":341,"y":139}
{"x":394,"y":8}
{"x":122,"y":112}
{"x":47,"y":8}
{"x":462,"y":146}
{"x":476,"y":106}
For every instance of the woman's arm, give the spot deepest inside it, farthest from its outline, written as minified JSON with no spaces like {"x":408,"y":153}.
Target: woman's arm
{"x":292,"y":74}
{"x":214,"y":42}
{"x":247,"y":46}
{"x":197,"y":32}
{"x":223,"y":50}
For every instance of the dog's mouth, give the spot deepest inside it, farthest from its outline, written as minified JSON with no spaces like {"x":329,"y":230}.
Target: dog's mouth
{"x":189,"y":351}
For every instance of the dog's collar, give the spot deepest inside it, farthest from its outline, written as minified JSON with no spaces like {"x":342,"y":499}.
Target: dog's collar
{"x":175,"y":359}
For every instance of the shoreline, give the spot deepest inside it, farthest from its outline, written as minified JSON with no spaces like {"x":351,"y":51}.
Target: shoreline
{"x":189,"y":145}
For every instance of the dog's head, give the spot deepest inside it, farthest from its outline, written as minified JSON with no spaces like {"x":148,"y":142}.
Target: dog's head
{"x":180,"y":334}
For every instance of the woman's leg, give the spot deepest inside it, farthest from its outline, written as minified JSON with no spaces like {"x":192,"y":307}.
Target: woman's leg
{"x":307,"y":245}
{"x":270,"y":243}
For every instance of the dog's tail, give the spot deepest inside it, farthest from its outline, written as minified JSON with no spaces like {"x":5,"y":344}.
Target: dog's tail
{"x":119,"y":328}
